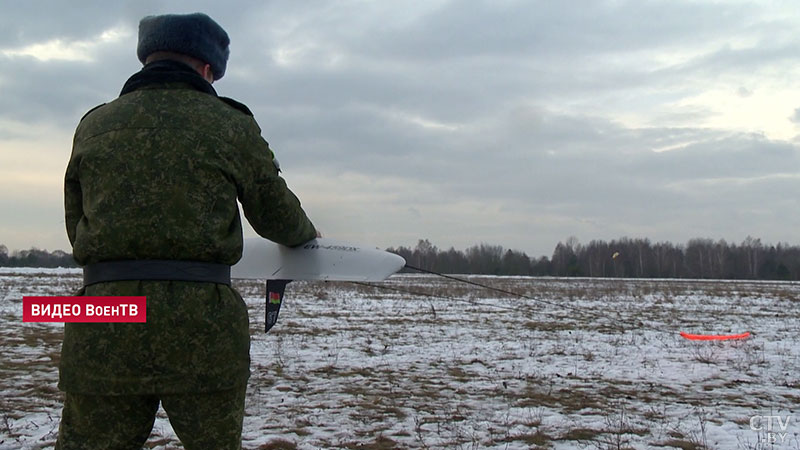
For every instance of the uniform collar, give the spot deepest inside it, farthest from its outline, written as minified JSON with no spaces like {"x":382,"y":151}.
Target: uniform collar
{"x":166,"y":71}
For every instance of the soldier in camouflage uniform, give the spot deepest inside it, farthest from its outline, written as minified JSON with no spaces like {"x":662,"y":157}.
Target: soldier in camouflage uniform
{"x":155,"y":175}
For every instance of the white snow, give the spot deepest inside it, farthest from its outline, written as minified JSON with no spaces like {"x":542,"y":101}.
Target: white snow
{"x":40,"y":270}
{"x":581,"y":364}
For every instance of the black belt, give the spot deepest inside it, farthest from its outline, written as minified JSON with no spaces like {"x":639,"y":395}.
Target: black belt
{"x":152,"y":269}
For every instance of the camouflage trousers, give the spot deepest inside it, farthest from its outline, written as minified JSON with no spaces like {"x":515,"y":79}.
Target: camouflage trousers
{"x":204,"y":421}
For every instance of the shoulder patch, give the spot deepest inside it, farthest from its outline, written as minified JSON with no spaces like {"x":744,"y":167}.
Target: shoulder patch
{"x":240,"y":106}
{"x":92,"y":110}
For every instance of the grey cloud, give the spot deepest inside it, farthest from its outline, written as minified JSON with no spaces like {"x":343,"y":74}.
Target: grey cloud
{"x":506,"y":76}
{"x":737,"y":156}
{"x":551,"y":29}
{"x":56,"y":91}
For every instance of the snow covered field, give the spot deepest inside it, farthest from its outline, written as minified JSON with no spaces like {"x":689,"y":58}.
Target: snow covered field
{"x":584,"y":364}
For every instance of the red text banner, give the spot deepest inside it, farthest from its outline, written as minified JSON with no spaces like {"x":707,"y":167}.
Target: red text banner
{"x":84,"y":309}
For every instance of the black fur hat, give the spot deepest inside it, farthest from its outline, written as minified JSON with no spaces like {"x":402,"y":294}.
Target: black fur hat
{"x":195,"y":35}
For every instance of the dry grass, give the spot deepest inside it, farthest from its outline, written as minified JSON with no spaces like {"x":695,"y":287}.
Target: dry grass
{"x":459,"y":367}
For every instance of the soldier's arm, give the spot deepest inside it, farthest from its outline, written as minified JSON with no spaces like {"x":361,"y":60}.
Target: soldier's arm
{"x":269,"y":205}
{"x":73,"y":199}
{"x":73,"y":196}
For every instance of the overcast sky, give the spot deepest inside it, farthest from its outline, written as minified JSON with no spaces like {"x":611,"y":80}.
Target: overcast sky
{"x":515,"y":123}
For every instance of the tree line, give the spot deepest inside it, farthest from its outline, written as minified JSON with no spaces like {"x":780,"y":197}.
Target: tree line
{"x":623,"y":258}
{"x":35,"y":258}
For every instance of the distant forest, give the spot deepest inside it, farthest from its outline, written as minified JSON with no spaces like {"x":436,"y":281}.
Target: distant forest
{"x":622,"y":258}
{"x":35,"y":258}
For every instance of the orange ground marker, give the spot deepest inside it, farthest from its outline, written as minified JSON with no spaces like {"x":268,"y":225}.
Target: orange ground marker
{"x":713,"y":337}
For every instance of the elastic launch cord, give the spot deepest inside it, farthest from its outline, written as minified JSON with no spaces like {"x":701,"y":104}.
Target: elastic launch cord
{"x":495,"y":289}
{"x":616,"y":322}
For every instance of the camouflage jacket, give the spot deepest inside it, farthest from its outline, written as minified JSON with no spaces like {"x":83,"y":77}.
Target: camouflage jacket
{"x":156,"y":174}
